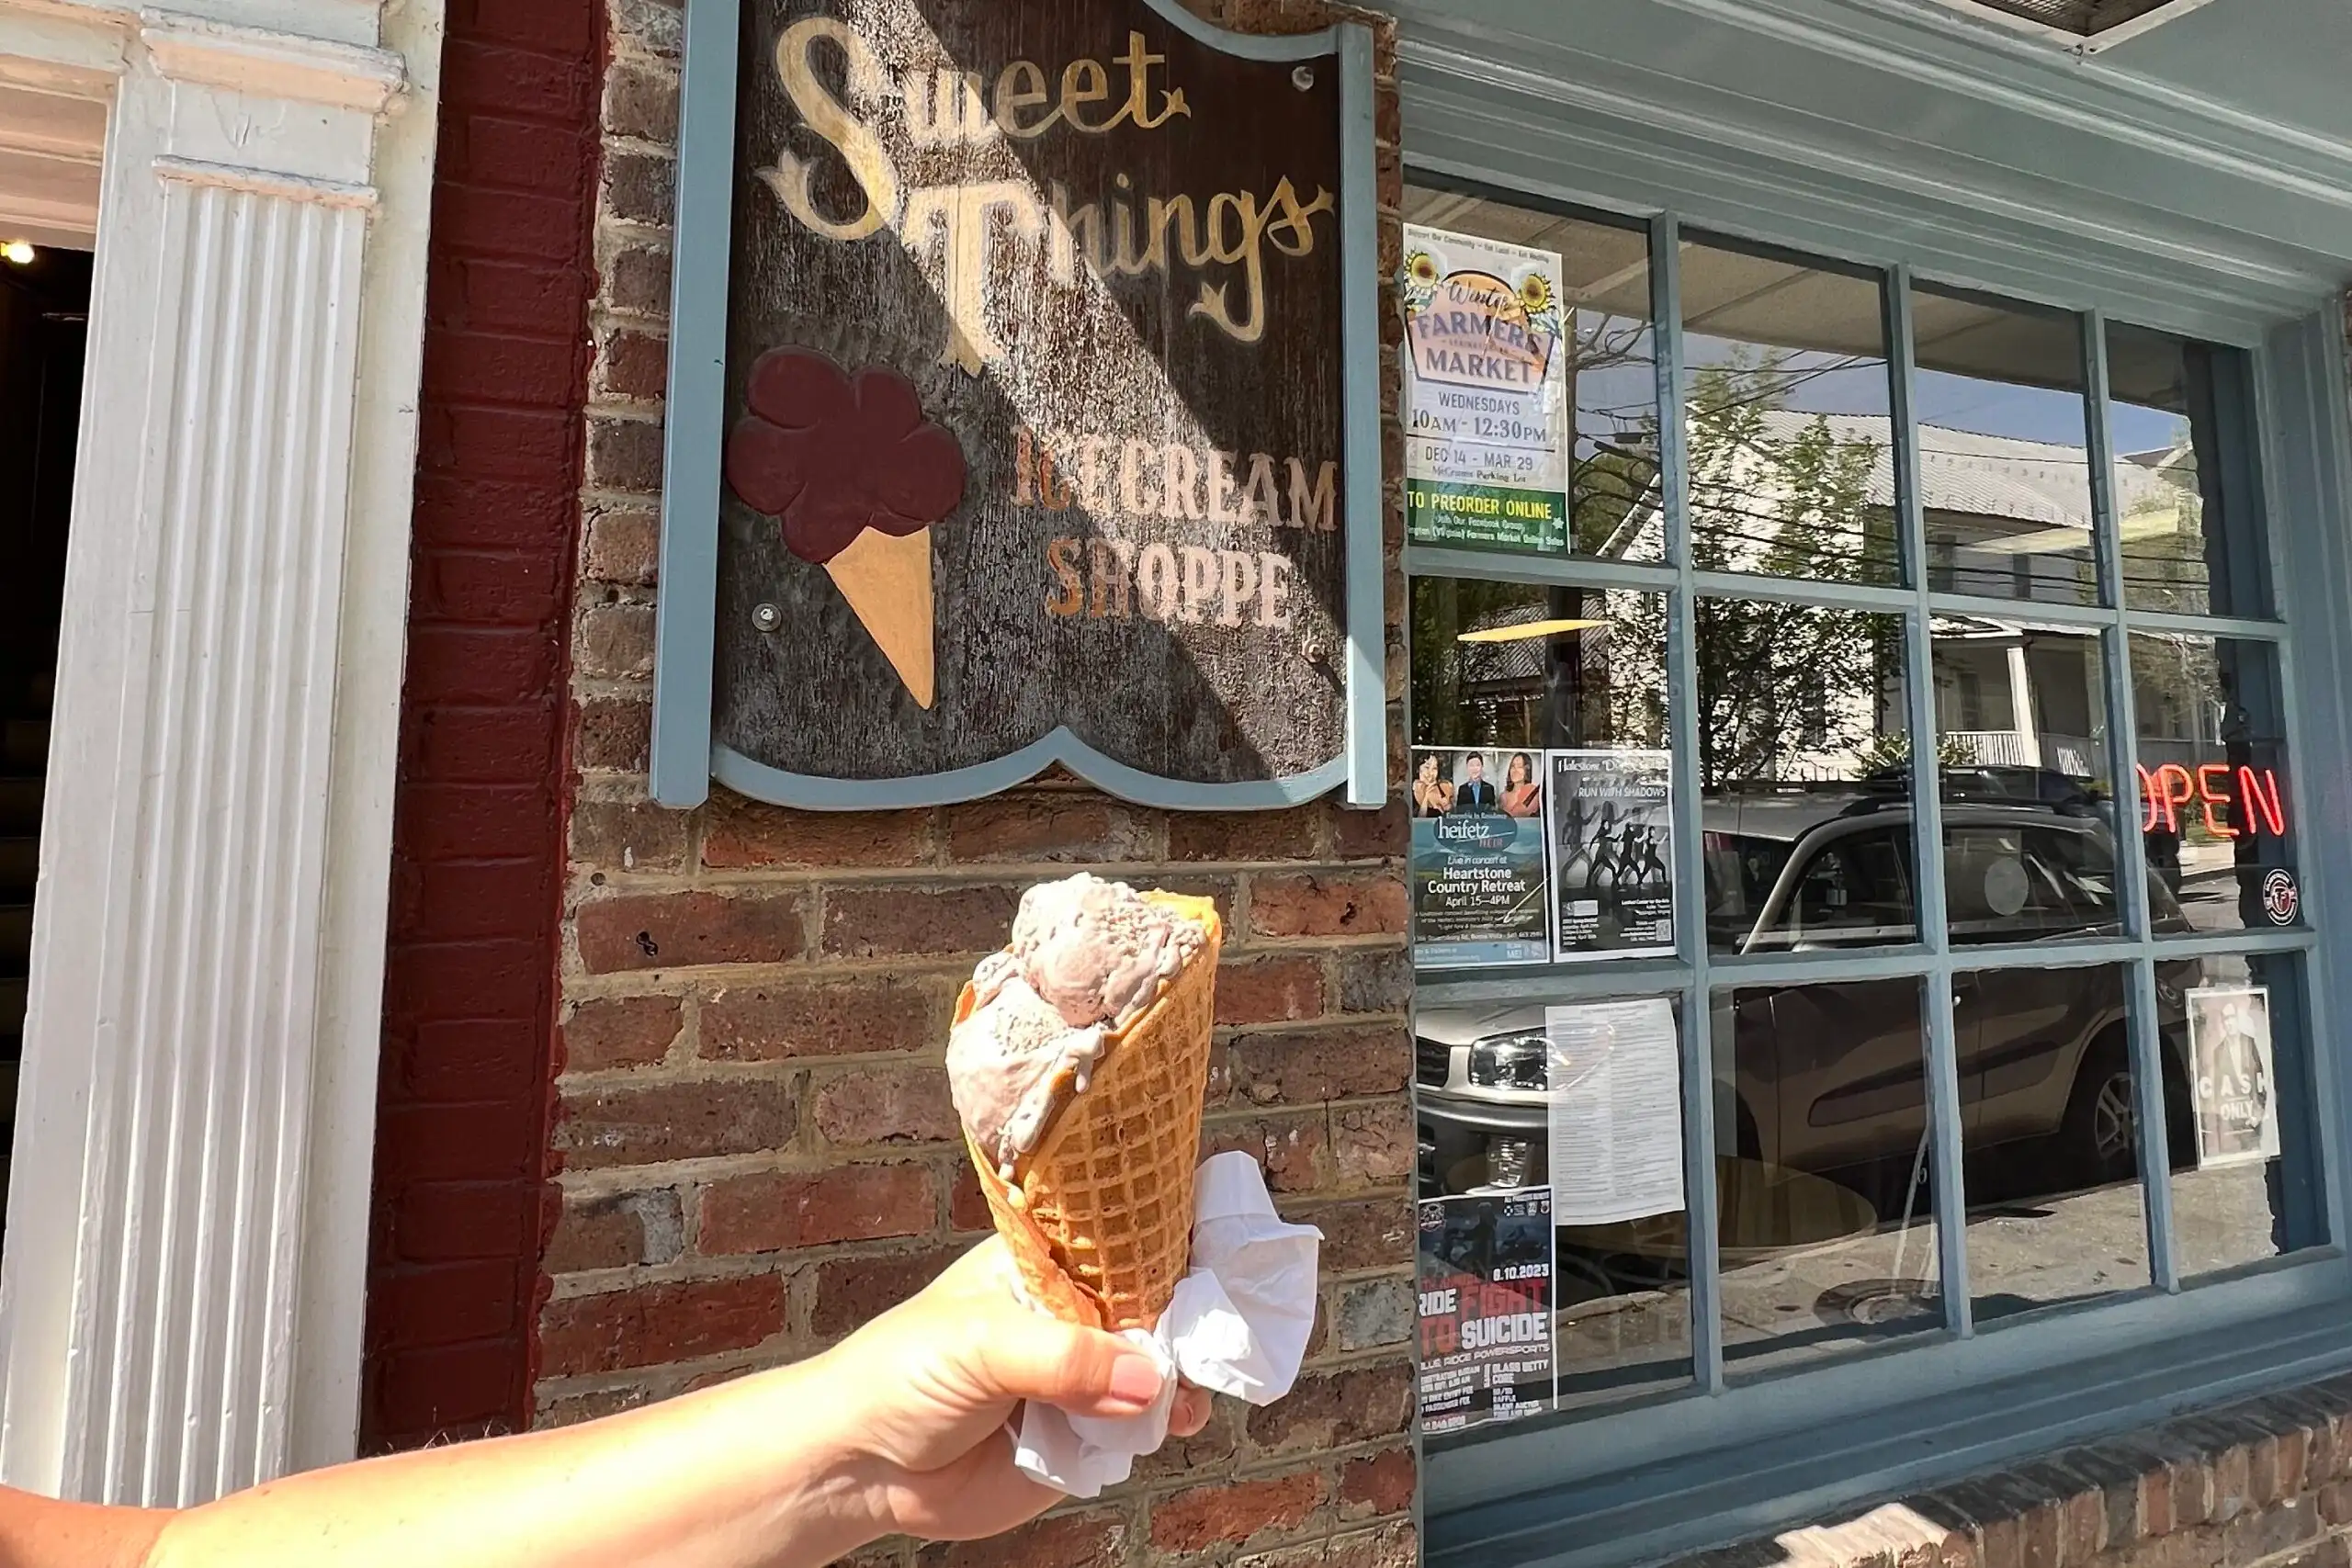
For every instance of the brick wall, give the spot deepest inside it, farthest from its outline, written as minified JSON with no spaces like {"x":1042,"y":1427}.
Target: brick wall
{"x":2264,"y":1483}
{"x":757,"y":1152}
{"x":471,"y":989}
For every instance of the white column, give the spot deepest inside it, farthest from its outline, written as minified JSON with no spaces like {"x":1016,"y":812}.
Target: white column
{"x":184,"y":1258}
{"x":2022,"y":715}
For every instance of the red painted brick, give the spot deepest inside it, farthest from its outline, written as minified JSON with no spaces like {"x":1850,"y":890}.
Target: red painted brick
{"x":1052,"y":827}
{"x":1244,"y":836}
{"x":563,"y":30}
{"x":472,"y":1061}
{"x":467,"y":977}
{"x":480,"y":899}
{"x":886,"y":1105}
{"x":1378,"y":1484}
{"x":742,"y":834}
{"x":623,"y":1124}
{"x":861,"y":1203}
{"x":456,"y":1143}
{"x":1273,"y":990}
{"x":456,"y":511}
{"x":837,"y":1018}
{"x":621,"y":1031}
{"x":654,"y":1323}
{"x":1238,"y":1511}
{"x":674,"y":930}
{"x":456,"y":821}
{"x":1328,"y":904}
{"x":484,"y":220}
{"x":485,"y":664}
{"x":1065,"y":1540}
{"x":1303,"y":1067}
{"x":508,"y":589}
{"x":483,"y":294}
{"x":450,"y":1303}
{"x":852,"y":1292}
{"x":484,"y":441}
{"x":480,"y":745}
{"x":416,"y":1393}
{"x":485,"y":367}
{"x":518,"y":82}
{"x":448,"y":1221}
{"x":893,"y":922}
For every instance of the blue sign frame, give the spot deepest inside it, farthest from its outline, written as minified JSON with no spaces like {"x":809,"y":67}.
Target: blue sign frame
{"x":686,"y":756}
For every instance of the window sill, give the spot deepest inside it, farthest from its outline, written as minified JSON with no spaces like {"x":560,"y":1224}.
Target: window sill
{"x":1783,"y":1455}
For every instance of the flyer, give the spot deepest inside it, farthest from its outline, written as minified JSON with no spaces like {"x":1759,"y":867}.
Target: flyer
{"x":1487,"y":458}
{"x":1616,"y":1110}
{"x":1485,"y":1308}
{"x":1479,"y":896}
{"x":2229,"y":1049}
{"x":1612,"y":854}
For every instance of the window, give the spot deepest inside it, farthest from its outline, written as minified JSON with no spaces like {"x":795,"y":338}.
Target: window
{"x":1722,"y":1078}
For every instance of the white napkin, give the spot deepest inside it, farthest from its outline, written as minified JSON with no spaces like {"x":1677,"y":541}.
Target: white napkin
{"x":1239,"y":1324}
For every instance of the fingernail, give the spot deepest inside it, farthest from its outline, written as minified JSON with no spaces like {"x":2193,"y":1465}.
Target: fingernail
{"x":1136,"y":1380}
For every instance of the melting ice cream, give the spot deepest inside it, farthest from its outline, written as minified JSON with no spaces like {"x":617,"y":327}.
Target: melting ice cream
{"x":1087,"y":957}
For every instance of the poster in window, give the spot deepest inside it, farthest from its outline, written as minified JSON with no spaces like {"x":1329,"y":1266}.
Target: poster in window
{"x":2236,"y":1078}
{"x":1486,"y":393}
{"x":1485,"y":1308}
{"x":1615,"y":1070}
{"x":1613,"y":854}
{"x":1479,"y":896}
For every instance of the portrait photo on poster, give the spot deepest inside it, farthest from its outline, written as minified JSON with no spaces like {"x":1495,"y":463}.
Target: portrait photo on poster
{"x":1612,"y":854}
{"x":1486,"y":1262}
{"x":1478,"y":858}
{"x":2235,"y":1074}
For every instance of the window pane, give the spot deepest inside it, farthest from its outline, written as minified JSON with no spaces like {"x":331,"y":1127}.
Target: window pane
{"x":2182,"y":414}
{"x":2021,"y":709}
{"x":1579,"y":1105}
{"x":1786,"y":406}
{"x":2238,"y":1105}
{"x":1480,"y":451}
{"x":2050,"y":1159}
{"x":2217,"y":816}
{"x":1510,"y":664}
{"x":1803,"y":763}
{"x":2005,"y":476}
{"x":1828,"y":1231}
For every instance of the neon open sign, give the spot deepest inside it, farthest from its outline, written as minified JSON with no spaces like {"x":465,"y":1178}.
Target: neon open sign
{"x":2167,"y":793}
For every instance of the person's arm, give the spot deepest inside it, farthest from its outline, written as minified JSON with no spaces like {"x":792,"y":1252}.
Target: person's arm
{"x":901,"y":1429}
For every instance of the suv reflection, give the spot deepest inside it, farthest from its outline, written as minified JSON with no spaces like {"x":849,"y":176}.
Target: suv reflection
{"x":1830,"y":1078}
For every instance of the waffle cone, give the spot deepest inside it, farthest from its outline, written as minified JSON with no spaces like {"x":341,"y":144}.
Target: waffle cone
{"x":887,"y":579}
{"x":1099,"y":1216}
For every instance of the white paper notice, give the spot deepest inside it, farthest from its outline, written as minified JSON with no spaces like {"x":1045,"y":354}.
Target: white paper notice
{"x":1616,"y":1093}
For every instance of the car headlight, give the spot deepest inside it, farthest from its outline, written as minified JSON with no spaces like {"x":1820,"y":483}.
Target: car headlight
{"x":1510,"y":1061}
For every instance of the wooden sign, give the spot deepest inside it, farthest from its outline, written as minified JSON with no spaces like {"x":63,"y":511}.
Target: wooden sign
{"x":1023,"y":408}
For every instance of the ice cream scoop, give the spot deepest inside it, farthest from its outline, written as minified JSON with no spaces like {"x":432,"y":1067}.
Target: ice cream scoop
{"x":1088,"y":957}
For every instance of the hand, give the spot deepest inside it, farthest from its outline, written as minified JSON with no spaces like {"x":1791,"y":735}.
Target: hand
{"x":929,"y":1388}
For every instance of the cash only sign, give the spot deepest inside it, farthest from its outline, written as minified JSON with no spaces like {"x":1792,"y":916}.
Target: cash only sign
{"x":1023,"y":408}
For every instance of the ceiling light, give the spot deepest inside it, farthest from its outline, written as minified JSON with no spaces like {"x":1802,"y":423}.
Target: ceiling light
{"x":1527,"y":629}
{"x":20,"y":252}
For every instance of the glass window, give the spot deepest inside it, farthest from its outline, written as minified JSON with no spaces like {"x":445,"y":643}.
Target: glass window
{"x":2049,"y":1151}
{"x":1803,"y":772}
{"x":2181,"y":417}
{"x":2238,"y":1103}
{"x":1554,"y":1141}
{"x":2005,"y":472}
{"x":1582,"y":291}
{"x":1822,"y":1175}
{"x":1785,"y":400}
{"x":1509,"y":664}
{"x":2216,"y":815}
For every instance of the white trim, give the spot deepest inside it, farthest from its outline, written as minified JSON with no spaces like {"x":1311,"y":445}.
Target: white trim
{"x":184,"y":1279}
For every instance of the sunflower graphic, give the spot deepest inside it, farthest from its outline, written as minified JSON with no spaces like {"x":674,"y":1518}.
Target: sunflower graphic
{"x":1535,"y":293}
{"x":1419,"y":282}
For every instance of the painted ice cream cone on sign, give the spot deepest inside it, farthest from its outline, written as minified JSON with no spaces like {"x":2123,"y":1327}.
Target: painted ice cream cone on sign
{"x":858,"y":476}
